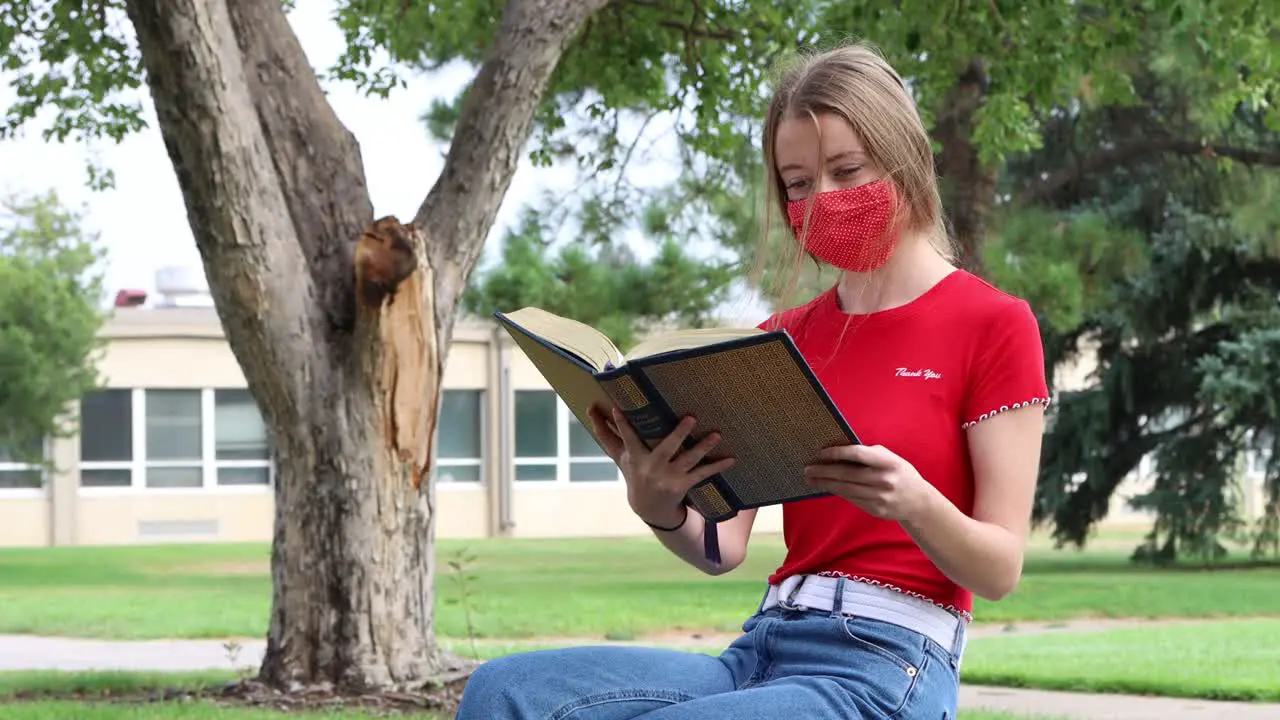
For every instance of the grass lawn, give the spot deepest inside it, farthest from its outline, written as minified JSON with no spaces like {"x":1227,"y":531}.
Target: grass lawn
{"x":614,"y":588}
{"x":1221,"y":660}
{"x":203,"y":711}
{"x":1213,"y":660}
{"x":97,"y":688}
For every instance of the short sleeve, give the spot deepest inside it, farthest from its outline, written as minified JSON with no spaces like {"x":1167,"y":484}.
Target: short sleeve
{"x":1007,"y":371}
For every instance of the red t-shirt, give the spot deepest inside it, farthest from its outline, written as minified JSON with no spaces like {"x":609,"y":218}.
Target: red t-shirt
{"x":912,"y":378}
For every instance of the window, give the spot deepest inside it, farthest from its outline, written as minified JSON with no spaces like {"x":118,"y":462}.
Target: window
{"x":552,"y":445}
{"x":21,"y":470}
{"x":172,"y":438}
{"x":106,"y":439}
{"x":459,"y":436}
{"x":241,"y":450}
{"x":587,"y":462}
{"x":536,"y":435}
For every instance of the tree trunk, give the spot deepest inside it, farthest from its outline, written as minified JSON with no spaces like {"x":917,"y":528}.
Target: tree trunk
{"x":968,"y":186}
{"x":275,"y":191}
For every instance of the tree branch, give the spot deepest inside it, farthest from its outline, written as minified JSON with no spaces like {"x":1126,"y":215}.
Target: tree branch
{"x":691,"y":29}
{"x":316,"y":158}
{"x":701,"y":32}
{"x":232,"y":194}
{"x":493,"y":126}
{"x":1138,"y":150}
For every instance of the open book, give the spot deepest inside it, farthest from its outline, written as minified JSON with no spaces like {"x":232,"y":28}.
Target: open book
{"x":752,"y":386}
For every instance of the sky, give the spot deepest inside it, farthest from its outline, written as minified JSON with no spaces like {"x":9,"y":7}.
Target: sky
{"x":142,"y":221}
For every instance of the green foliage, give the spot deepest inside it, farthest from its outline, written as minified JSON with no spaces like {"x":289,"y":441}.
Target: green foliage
{"x":705,"y":66}
{"x":1063,"y":263}
{"x":713,"y":59}
{"x":707,"y":61}
{"x":1242,"y":380}
{"x":1183,"y":372}
{"x":77,"y":58}
{"x":50,"y":287}
{"x":1152,"y":265}
{"x":605,"y":286}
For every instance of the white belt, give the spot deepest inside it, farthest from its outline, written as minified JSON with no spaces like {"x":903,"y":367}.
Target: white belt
{"x":861,"y":599}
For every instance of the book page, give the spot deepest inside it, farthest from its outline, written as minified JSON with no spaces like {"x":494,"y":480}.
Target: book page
{"x":575,"y":384}
{"x":578,"y":338}
{"x":685,"y":339}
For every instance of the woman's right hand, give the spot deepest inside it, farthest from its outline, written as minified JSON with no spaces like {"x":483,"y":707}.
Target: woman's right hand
{"x":657,"y":479}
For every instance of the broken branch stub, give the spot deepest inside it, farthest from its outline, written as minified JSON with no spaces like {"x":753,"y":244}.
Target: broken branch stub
{"x":395,"y":280}
{"x":386,"y":255}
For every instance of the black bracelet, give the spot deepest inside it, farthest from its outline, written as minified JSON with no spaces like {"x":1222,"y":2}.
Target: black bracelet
{"x":670,"y":529}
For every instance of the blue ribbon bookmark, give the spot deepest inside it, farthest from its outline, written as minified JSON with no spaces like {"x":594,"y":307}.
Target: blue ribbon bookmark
{"x":711,"y":542}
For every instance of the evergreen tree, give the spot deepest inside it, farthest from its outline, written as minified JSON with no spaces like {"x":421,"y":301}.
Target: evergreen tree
{"x":1164,"y":269}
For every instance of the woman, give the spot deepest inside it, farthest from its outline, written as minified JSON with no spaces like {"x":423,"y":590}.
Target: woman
{"x":941,"y":375}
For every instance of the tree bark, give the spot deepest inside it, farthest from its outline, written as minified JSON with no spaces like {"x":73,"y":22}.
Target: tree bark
{"x":275,"y":191}
{"x":1137,"y":150}
{"x":968,"y":186}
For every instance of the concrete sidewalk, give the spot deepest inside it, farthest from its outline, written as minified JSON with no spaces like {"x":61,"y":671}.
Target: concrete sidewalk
{"x":27,"y":652}
{"x":24,"y":652}
{"x":1087,"y":706}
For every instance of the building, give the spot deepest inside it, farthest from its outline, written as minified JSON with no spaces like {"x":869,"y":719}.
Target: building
{"x":173,"y":448}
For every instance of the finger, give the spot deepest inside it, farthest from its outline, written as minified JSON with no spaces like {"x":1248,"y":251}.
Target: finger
{"x":631,"y":441}
{"x":604,"y":431}
{"x":706,"y":471}
{"x":843,"y":472}
{"x":845,"y":487}
{"x":862,"y":496}
{"x":674,"y":440}
{"x":690,"y":458}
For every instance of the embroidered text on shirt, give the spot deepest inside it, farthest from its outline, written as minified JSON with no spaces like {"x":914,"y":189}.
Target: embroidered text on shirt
{"x":924,"y":373}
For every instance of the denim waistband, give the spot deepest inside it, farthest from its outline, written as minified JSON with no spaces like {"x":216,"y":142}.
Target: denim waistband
{"x":844,"y":596}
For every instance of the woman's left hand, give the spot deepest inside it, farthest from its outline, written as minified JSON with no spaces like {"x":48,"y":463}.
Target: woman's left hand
{"x":873,"y":478}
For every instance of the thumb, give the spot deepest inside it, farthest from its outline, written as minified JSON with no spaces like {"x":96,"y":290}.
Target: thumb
{"x":612,"y":442}
{"x":876,"y":456}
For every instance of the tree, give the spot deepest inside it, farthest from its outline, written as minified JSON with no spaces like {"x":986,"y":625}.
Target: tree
{"x":50,"y":290}
{"x":606,"y":287}
{"x":1163,"y":267}
{"x":340,"y":323}
{"x":986,"y":76}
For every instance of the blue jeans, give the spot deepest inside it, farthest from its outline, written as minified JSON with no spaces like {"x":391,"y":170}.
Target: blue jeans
{"x":787,"y":664}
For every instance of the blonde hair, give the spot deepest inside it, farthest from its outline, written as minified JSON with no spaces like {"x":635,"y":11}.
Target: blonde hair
{"x":855,"y":83}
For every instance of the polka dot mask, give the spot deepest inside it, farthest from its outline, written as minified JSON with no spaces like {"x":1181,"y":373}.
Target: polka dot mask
{"x":848,"y":228}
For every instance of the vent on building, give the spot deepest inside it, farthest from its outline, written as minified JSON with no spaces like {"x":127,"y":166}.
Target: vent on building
{"x":177,"y":528}
{"x":130,"y":298}
{"x":182,"y":287}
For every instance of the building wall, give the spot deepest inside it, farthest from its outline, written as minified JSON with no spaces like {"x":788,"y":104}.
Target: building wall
{"x":171,"y":452}
{"x":24,"y":520}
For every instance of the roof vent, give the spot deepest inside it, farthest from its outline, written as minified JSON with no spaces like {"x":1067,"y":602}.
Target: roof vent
{"x":182,"y":287}
{"x":130,"y":298}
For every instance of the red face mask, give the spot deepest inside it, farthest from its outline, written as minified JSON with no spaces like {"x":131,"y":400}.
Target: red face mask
{"x":849,"y":228}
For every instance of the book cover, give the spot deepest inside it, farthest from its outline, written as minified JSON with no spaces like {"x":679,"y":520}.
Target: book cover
{"x":757,"y":391}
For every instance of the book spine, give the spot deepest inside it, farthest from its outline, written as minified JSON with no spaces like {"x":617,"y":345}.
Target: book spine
{"x":653,"y":420}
